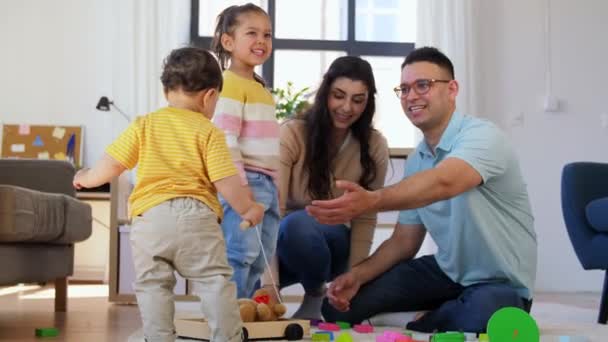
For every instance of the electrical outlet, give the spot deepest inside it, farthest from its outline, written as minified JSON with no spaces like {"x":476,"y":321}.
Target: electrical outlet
{"x":516,"y":119}
{"x":551,"y":104}
{"x":604,"y":120}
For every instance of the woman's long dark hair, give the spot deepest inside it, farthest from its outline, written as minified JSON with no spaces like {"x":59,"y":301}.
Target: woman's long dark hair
{"x":319,"y":127}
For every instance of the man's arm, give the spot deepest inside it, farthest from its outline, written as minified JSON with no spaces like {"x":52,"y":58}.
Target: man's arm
{"x":403,"y":244}
{"x":103,"y":172}
{"x":449,"y":178}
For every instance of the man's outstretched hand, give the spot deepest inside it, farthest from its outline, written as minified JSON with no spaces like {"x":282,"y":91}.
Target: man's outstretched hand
{"x":342,"y":290}
{"x":354,"y":202}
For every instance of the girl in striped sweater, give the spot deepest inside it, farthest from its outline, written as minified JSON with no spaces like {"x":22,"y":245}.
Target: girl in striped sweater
{"x":246,"y":113}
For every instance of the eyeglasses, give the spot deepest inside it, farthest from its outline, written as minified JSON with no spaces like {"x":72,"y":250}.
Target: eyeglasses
{"x":421,"y":87}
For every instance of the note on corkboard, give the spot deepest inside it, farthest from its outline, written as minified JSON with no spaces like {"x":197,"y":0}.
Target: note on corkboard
{"x":42,"y":142}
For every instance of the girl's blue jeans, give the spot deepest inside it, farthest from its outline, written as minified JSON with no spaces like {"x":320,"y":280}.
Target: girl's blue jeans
{"x":243,"y":246}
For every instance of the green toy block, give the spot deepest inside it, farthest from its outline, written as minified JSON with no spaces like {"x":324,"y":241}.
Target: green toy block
{"x":448,"y":337}
{"x":343,"y":325}
{"x":484,"y":338}
{"x":344,"y":337}
{"x":47,"y":332}
{"x":321,"y":336}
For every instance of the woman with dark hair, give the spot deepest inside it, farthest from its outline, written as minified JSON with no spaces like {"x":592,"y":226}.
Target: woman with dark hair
{"x":334,"y":139}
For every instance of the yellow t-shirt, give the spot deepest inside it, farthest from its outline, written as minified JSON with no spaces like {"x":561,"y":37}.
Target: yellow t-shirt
{"x":178,"y":153}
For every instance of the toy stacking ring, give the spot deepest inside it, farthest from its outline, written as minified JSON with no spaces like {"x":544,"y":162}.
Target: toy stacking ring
{"x":512,"y":325}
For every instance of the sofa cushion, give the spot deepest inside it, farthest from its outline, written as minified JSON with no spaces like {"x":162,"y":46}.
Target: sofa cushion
{"x":32,"y":216}
{"x":597,"y":214}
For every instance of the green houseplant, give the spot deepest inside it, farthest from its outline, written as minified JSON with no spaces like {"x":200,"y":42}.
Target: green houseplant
{"x":289,"y":101}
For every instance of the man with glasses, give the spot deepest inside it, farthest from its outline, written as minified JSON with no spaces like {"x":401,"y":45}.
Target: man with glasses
{"x":464,"y":186}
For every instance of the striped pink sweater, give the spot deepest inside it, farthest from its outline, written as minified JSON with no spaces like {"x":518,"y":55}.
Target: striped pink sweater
{"x":246,"y":113}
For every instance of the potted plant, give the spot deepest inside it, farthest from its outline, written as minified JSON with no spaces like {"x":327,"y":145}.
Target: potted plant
{"x":290,"y":102}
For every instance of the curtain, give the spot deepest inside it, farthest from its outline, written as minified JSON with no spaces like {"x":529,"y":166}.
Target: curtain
{"x":449,"y":25}
{"x":145,"y":31}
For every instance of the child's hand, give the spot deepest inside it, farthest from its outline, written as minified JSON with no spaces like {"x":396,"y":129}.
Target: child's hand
{"x":254,"y":214}
{"x":79,"y":178}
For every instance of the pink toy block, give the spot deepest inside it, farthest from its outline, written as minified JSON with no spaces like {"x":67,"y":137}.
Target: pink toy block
{"x":393,"y":335}
{"x":328,"y":326}
{"x":382,"y":338}
{"x":363,"y":328}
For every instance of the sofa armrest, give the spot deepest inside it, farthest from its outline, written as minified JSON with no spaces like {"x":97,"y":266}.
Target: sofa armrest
{"x":29,"y":216}
{"x":78,"y":223}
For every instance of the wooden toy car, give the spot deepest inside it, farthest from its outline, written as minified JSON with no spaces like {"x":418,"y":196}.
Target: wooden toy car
{"x":284,"y":329}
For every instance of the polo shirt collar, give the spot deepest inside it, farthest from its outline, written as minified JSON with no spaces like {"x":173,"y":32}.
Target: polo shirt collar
{"x":447,"y":138}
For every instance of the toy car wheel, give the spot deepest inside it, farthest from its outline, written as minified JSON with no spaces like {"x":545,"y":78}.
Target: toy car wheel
{"x":294,"y":332}
{"x":245,"y":335}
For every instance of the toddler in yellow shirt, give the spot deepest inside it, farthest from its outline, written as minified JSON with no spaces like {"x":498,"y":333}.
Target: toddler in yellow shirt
{"x":182,"y":163}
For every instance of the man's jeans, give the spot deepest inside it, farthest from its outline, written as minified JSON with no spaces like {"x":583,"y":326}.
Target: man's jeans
{"x":420,"y":284}
{"x":311,"y":253}
{"x":243,"y":247}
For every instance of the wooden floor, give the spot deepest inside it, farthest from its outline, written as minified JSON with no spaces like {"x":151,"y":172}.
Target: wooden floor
{"x":91,"y":318}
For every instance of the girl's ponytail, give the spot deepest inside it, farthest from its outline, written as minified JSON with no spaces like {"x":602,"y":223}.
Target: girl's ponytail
{"x":222,"y":26}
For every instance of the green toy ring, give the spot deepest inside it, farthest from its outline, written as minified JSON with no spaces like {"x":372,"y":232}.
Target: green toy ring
{"x":512,"y":325}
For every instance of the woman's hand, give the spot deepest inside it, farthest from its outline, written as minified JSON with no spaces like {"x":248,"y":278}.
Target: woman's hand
{"x":354,"y":202}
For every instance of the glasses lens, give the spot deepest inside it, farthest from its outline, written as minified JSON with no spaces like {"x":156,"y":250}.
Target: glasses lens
{"x":422,"y":86}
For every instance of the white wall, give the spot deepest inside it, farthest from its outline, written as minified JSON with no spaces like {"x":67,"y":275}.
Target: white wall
{"x":55,"y":64}
{"x":513,"y":63}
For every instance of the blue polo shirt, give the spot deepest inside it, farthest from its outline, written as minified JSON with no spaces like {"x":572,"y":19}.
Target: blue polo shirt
{"x":485,"y":234}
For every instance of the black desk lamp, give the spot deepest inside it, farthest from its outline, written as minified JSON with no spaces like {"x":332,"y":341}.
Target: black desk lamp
{"x":104,"y":105}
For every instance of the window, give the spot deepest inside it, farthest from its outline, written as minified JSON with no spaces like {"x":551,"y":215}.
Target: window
{"x":309,"y":35}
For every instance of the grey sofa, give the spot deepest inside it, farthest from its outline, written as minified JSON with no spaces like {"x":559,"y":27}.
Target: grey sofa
{"x":40,"y":220}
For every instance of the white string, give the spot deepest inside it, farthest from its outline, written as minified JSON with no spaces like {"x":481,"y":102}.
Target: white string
{"x":274,"y":284}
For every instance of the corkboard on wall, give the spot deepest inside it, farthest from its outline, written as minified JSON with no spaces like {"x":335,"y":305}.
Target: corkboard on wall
{"x":42,"y":142}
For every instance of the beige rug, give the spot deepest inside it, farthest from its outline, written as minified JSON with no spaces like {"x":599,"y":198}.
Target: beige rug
{"x":554,"y":320}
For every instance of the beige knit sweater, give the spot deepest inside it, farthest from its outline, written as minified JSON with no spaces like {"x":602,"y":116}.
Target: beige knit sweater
{"x":294,"y":179}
